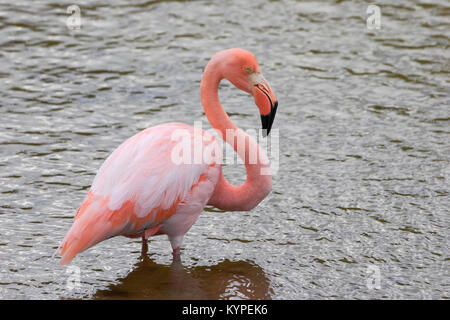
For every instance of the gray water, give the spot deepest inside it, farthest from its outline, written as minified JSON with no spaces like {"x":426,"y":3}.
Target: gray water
{"x":359,"y":206}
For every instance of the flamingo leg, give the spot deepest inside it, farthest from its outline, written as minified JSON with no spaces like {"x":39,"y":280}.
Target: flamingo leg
{"x":176,"y":242}
{"x":176,"y":252}
{"x":144,"y":246}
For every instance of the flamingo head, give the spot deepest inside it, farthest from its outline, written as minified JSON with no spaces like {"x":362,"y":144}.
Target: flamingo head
{"x":241,"y":68}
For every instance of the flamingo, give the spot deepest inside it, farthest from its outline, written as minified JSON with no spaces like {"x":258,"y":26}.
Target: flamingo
{"x":140,"y":191}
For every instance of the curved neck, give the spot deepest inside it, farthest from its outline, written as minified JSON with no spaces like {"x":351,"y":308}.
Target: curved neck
{"x":259,"y":182}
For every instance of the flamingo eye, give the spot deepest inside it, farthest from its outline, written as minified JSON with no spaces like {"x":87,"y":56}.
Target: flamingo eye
{"x":248,"y":70}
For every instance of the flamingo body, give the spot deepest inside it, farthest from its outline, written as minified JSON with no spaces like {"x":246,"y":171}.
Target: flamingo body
{"x":140,"y":191}
{"x":143,"y":189}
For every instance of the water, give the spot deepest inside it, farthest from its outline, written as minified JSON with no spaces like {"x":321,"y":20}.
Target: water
{"x":359,"y":207}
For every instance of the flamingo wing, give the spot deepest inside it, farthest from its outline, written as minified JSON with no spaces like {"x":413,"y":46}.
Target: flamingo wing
{"x":138,"y":187}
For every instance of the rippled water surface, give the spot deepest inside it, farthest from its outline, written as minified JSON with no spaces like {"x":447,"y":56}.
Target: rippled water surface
{"x":363,"y":183}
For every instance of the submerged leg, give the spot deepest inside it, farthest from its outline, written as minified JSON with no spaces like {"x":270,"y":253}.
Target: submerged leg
{"x":145,"y":235}
{"x":176,"y":257}
{"x":176,"y":252}
{"x":144,"y":246}
{"x":176,"y":242}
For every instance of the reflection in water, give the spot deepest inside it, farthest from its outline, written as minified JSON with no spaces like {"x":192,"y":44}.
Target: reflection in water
{"x":225,"y":280}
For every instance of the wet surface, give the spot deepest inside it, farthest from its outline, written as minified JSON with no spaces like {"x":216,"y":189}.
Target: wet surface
{"x":225,"y":280}
{"x":362,"y":186}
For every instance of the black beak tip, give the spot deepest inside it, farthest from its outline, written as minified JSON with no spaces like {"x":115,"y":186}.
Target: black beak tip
{"x":267,"y":120}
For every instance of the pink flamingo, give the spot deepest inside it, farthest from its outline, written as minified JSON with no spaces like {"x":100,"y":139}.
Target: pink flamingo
{"x":140,"y":191}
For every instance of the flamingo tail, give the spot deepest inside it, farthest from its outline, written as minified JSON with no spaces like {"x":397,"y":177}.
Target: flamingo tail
{"x":85,"y":232}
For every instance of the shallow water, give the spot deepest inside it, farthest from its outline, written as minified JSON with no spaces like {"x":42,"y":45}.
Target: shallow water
{"x":362,"y":188}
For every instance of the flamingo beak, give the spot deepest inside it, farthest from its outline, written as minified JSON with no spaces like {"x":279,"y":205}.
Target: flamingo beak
{"x":267,"y":103}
